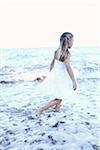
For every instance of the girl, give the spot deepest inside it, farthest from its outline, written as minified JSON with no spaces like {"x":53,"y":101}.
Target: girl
{"x":57,"y":83}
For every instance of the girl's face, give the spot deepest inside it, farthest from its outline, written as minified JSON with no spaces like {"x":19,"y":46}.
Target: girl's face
{"x":70,"y":42}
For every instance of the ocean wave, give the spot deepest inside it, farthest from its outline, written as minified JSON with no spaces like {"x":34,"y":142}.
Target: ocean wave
{"x":19,"y":77}
{"x":7,"y":82}
{"x":41,"y":78}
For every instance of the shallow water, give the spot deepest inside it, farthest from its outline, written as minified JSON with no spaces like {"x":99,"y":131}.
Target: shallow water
{"x":20,"y":129}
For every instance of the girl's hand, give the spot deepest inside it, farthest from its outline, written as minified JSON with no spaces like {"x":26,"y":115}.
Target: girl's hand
{"x":74,"y":85}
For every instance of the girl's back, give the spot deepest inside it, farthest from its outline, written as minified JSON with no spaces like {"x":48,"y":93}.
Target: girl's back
{"x":61,"y":55}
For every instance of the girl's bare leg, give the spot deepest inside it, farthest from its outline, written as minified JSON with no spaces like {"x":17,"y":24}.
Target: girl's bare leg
{"x":51,"y":103}
{"x":58,"y":105}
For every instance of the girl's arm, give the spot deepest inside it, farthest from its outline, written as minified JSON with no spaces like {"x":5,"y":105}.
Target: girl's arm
{"x":52,"y":63}
{"x":70,"y":72}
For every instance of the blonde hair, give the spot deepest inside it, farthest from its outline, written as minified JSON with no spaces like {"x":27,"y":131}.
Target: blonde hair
{"x":63,"y":51}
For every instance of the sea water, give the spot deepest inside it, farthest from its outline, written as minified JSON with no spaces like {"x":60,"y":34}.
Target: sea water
{"x":19,"y":68}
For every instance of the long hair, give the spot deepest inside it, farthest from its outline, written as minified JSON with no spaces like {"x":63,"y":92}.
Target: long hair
{"x":64,"y":39}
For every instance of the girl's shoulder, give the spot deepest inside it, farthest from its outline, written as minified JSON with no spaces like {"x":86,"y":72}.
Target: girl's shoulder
{"x":62,"y":56}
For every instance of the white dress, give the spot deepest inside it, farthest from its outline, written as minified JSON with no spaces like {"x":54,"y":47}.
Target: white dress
{"x":58,"y":83}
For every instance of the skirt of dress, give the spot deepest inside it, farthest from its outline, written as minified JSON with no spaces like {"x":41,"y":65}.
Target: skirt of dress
{"x":57,"y":84}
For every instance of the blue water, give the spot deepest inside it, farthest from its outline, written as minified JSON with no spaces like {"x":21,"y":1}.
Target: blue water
{"x":14,"y":61}
{"x":19,"y":129}
{"x":17,"y":67}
